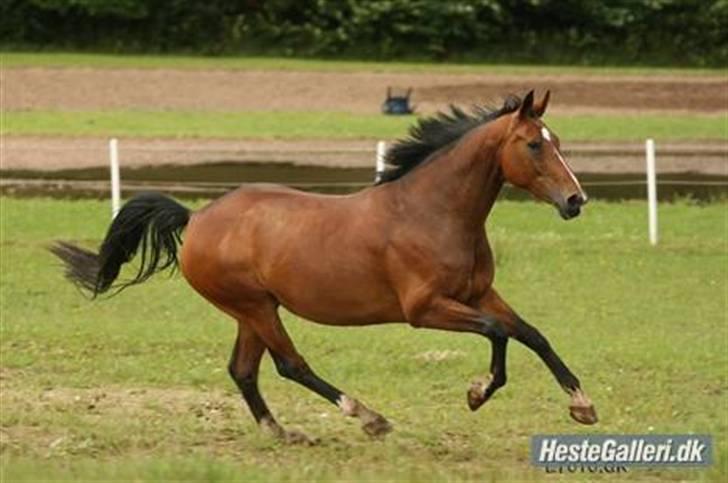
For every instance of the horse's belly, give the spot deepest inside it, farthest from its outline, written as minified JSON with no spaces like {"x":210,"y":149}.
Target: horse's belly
{"x":340,"y":299}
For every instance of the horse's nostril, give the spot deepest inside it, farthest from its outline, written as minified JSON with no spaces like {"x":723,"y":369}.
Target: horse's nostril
{"x":575,"y":200}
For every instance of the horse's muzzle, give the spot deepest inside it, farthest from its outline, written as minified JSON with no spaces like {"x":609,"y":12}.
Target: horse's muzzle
{"x":572,"y":207}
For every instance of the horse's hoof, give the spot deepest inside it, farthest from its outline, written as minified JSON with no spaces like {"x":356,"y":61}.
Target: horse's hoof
{"x":476,"y":394}
{"x":583,"y":414}
{"x":377,"y":427}
{"x":298,"y":438}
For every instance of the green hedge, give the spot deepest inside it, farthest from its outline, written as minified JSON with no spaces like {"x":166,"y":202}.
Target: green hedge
{"x":651,"y":32}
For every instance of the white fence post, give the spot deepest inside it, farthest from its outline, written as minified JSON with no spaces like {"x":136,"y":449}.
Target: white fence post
{"x":115,"y":178}
{"x":381,"y":153}
{"x":651,"y":190}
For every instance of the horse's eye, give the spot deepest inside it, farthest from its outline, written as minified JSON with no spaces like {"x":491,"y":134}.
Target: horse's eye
{"x":534,"y":145}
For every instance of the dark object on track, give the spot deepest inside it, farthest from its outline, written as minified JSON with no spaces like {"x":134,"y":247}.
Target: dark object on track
{"x":397,"y":105}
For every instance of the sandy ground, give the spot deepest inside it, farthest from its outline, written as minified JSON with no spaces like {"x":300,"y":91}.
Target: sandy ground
{"x":221,"y":90}
{"x":227,"y":90}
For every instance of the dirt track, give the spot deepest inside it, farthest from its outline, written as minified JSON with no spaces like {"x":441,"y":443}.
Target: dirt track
{"x":221,"y":90}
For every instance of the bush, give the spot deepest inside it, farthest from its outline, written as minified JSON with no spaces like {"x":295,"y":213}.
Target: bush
{"x":672,"y":32}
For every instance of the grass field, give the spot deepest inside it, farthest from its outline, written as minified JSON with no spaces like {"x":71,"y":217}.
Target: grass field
{"x":135,"y":387}
{"x":331,"y":125}
{"x":67,"y":59}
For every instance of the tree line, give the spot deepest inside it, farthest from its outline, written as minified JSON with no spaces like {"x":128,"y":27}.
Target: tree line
{"x":650,"y":32}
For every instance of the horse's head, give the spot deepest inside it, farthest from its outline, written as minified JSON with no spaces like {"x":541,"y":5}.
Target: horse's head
{"x":531,"y":159}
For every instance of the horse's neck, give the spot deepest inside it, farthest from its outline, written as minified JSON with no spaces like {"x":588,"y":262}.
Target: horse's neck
{"x":463,"y":182}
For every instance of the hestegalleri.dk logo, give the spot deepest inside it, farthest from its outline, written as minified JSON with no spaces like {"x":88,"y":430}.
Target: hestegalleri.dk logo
{"x":612,"y":452}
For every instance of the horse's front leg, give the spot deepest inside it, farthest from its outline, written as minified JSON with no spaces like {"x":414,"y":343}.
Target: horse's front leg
{"x":451,"y":315}
{"x":480,"y":391}
{"x":497,"y":321}
{"x":581,"y":407}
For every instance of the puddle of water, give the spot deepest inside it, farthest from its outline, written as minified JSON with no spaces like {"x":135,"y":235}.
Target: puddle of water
{"x":215,"y":172}
{"x":213,"y":179}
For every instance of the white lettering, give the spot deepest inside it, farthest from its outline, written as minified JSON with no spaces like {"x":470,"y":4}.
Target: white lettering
{"x":609,"y":450}
{"x":648,"y":454}
{"x":548,"y":450}
{"x":683,"y":452}
{"x":696,"y":455}
{"x":561,"y":452}
{"x":592,"y":454}
{"x":623,"y":452}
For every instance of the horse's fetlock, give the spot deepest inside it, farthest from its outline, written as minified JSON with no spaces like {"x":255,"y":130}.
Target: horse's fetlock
{"x":499,"y":380}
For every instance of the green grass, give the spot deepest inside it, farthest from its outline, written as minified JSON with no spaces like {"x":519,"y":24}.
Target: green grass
{"x":61,"y":59}
{"x":135,"y":387}
{"x":332,"y":125}
{"x":284,"y":125}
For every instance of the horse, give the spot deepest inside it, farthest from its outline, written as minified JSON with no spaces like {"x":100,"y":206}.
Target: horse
{"x":412,"y":248}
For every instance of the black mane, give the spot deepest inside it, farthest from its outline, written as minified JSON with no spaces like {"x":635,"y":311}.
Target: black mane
{"x":430,"y":134}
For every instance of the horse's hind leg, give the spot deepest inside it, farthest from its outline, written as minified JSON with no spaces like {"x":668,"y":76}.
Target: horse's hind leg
{"x":296,"y":369}
{"x":243,"y":368}
{"x":292,"y":366}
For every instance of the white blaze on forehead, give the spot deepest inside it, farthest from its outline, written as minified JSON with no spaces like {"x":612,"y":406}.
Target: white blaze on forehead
{"x":545,"y":133}
{"x":547,"y":136}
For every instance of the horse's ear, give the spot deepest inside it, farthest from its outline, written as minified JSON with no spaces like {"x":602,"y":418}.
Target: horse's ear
{"x":540,"y":107}
{"x":526,"y":109}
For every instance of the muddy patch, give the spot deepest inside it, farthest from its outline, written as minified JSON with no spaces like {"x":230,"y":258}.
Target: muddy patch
{"x":211,"y":180}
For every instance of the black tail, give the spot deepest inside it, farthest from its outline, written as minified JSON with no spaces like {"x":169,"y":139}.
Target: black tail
{"x":150,"y":221}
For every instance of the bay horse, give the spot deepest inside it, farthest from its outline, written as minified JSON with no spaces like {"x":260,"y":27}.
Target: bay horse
{"x":412,"y":248}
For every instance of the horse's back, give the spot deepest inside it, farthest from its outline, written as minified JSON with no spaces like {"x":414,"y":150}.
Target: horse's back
{"x":229,"y":229}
